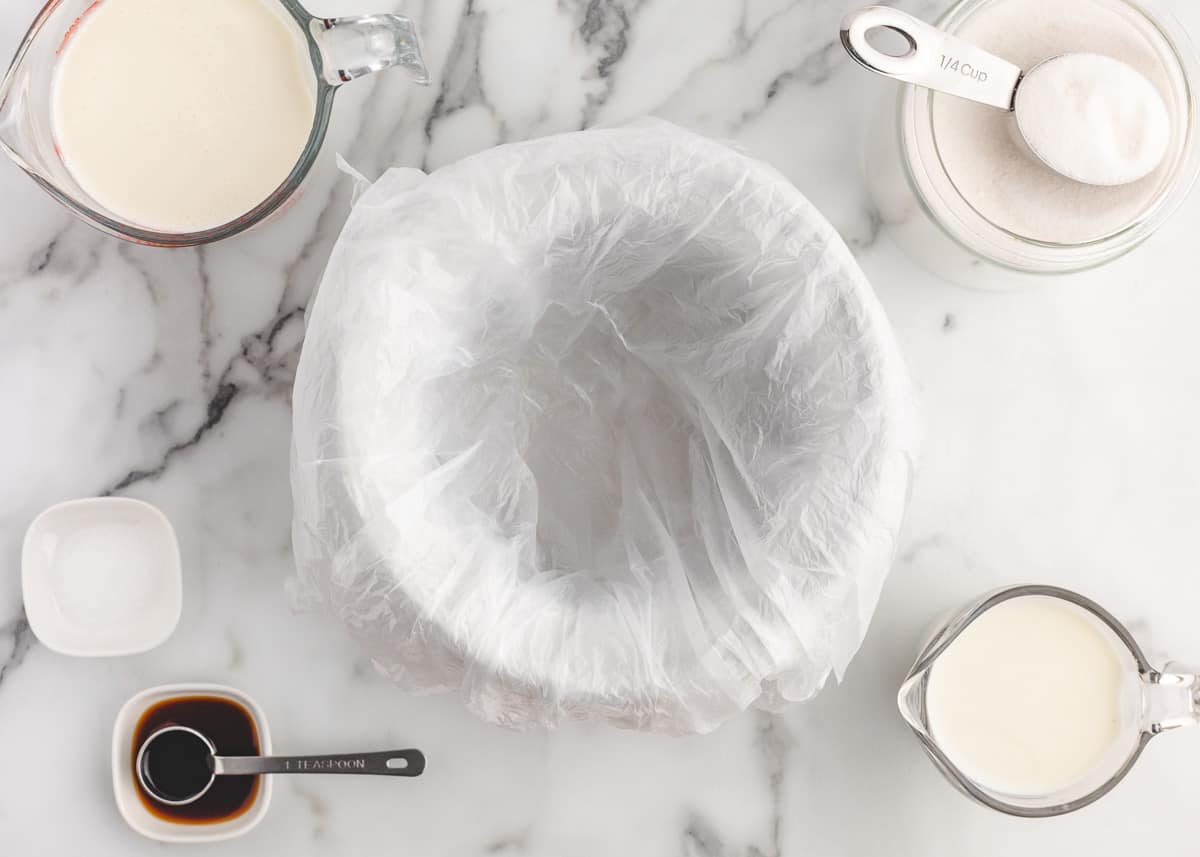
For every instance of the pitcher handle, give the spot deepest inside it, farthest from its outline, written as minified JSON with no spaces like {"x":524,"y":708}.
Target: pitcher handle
{"x":357,"y":46}
{"x":1170,"y":699}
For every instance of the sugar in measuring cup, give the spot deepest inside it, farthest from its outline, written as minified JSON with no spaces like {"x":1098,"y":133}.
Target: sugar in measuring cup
{"x":1035,"y":701}
{"x":177,"y":123}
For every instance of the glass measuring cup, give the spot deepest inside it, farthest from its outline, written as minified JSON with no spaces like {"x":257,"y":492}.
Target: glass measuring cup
{"x":1151,"y":702}
{"x":341,"y":50}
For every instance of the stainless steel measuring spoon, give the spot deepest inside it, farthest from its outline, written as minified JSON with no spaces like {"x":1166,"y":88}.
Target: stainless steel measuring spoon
{"x":177,"y":765}
{"x":936,"y":60}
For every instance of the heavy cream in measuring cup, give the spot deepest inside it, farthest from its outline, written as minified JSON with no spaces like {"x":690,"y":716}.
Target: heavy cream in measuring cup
{"x":1027,"y":700}
{"x":183,"y":115}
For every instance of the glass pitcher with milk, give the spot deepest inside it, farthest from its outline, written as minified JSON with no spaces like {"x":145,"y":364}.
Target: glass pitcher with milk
{"x":1036,"y":701}
{"x":175,"y":122}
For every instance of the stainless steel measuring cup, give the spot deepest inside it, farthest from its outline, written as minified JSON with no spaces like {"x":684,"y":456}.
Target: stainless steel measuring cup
{"x":1081,"y":150}
{"x":341,"y":50}
{"x":1152,"y":701}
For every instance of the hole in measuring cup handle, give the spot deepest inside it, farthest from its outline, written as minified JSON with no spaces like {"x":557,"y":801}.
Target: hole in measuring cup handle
{"x":891,"y":41}
{"x":890,"y":28}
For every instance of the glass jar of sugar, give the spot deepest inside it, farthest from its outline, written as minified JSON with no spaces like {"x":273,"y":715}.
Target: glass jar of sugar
{"x":958,"y":191}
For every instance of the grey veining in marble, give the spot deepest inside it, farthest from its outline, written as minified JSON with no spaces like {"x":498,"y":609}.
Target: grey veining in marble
{"x":1061,"y":447}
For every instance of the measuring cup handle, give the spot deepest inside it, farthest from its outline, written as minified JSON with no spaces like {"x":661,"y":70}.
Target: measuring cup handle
{"x":356,"y":46}
{"x":934,"y":59}
{"x":1170,"y":699}
{"x":392,"y":763}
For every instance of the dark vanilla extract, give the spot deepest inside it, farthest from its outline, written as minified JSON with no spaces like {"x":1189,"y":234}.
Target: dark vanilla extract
{"x":180,"y":765}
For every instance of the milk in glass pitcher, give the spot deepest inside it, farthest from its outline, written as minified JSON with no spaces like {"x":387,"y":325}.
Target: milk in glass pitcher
{"x":1036,"y":701}
{"x":175,"y":122}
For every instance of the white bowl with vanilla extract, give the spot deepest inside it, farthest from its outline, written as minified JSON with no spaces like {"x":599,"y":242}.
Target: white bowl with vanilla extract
{"x":236,"y":724}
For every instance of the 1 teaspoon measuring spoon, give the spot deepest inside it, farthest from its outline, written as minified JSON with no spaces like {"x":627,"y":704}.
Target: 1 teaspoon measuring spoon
{"x":1087,"y":117}
{"x":177,"y":765}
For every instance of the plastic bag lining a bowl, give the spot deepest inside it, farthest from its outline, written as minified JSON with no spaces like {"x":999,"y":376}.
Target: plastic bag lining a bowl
{"x":604,"y":425}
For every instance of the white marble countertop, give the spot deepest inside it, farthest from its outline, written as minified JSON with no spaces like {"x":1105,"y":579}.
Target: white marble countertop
{"x":1061,"y":446}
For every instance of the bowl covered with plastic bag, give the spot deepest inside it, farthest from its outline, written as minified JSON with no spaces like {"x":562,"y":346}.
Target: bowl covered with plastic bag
{"x":606,"y":425}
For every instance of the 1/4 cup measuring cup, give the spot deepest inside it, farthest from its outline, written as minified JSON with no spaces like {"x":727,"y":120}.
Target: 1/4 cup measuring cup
{"x":922,"y":202}
{"x":1149,"y":701}
{"x":341,"y":50}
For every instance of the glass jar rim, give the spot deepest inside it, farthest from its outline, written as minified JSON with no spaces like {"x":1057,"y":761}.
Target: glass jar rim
{"x":947,"y":208}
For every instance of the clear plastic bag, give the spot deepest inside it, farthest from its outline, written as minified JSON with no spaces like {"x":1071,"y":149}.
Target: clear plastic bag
{"x":603,"y":425}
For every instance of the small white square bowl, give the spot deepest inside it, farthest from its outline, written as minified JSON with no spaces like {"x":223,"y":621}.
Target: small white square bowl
{"x":125,"y":789}
{"x":102,"y":577}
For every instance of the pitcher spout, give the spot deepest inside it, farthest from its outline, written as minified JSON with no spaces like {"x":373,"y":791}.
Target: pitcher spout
{"x":25,"y":135}
{"x":357,"y":46}
{"x":12,"y":140}
{"x":911,"y":701}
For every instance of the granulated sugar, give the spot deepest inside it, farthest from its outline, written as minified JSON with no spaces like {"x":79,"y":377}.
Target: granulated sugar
{"x":1094,"y":119}
{"x":980,"y":149}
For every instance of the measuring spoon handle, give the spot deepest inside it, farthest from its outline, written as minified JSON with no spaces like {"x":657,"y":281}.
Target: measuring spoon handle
{"x":935,"y":59}
{"x":392,"y":763}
